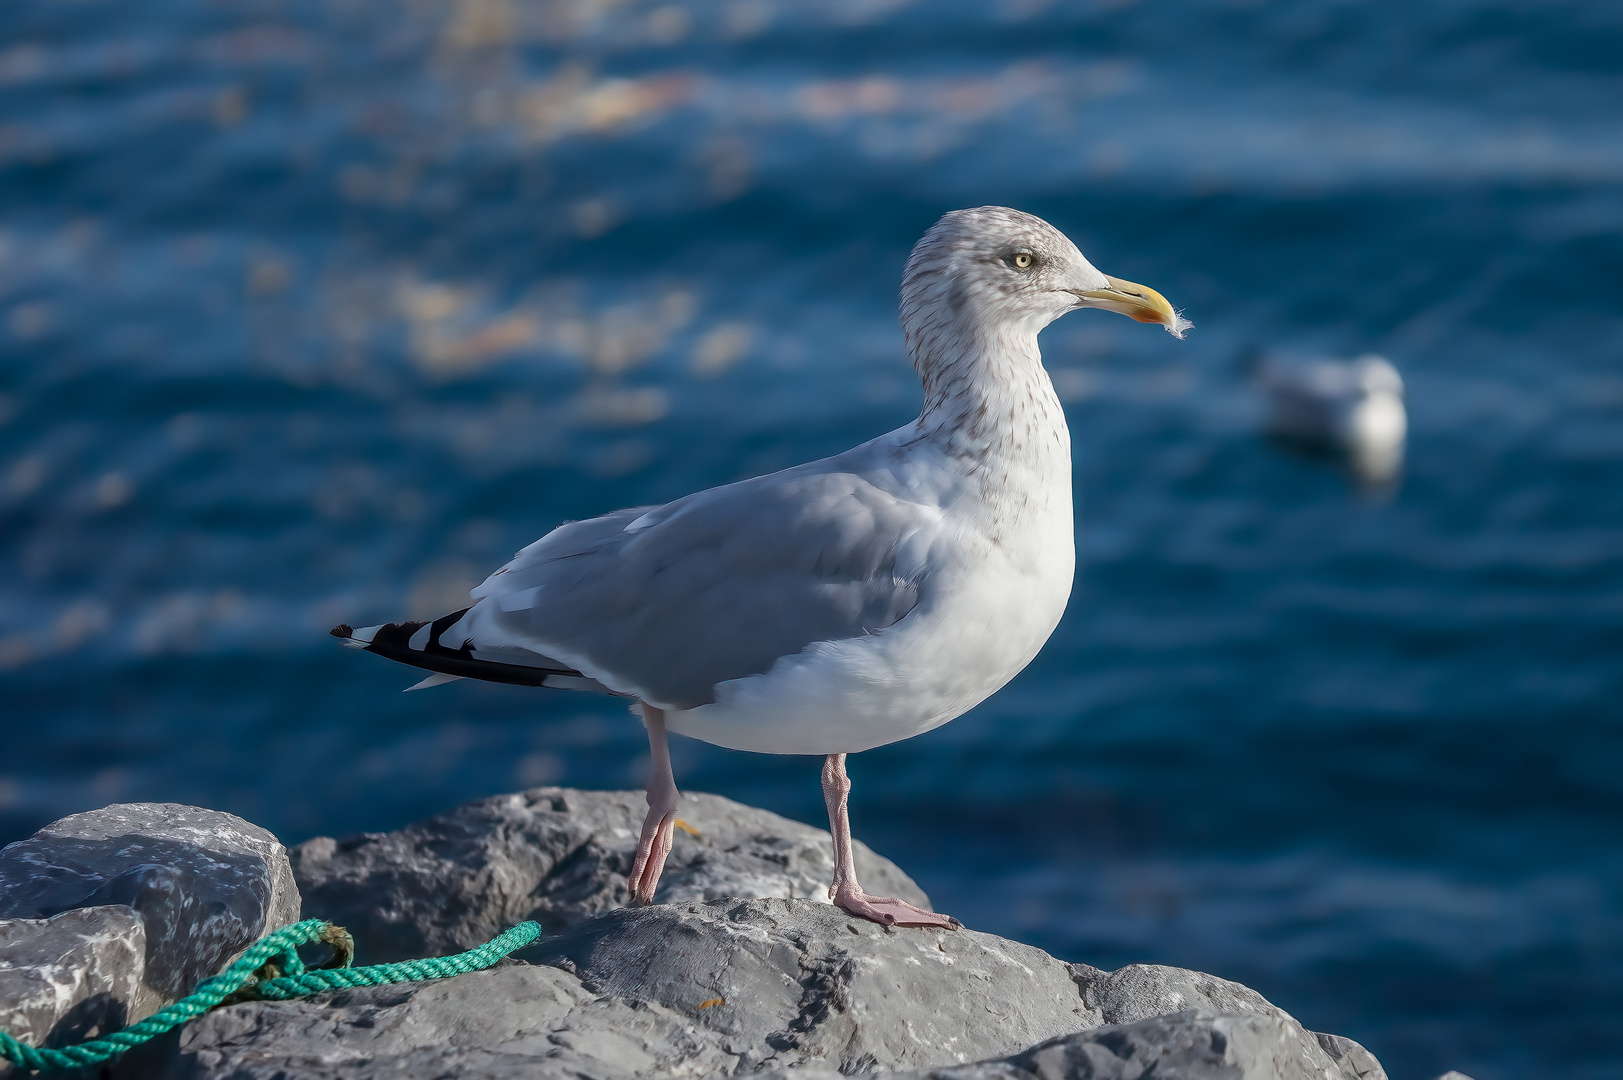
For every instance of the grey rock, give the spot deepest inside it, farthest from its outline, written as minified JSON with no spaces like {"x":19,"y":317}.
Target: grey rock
{"x":1140,"y":991}
{"x":1144,"y":991}
{"x":790,"y":989}
{"x":702,"y":986}
{"x":792,"y":981}
{"x":73,"y":976}
{"x":129,"y":907}
{"x":1354,"y":1060}
{"x":1453,"y":1074}
{"x":558,"y":856}
{"x":1191,"y":1045}
{"x":701,"y":989}
{"x":511,"y":1021}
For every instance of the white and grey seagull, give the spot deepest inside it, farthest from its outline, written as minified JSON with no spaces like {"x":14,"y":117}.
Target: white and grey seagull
{"x":838,"y":605}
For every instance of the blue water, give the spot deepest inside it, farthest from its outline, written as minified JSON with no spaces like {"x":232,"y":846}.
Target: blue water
{"x":316,"y":311}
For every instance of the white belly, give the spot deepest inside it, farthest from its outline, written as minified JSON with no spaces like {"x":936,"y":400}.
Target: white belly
{"x":979,"y":628}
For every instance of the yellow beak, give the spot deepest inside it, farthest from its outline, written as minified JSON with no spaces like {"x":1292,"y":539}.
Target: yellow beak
{"x":1138,"y":302}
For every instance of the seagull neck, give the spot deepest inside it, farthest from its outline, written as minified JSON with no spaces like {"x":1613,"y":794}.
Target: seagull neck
{"x":986,"y":394}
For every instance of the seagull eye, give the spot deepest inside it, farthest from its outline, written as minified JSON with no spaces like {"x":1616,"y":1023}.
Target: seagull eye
{"x":1022,"y":260}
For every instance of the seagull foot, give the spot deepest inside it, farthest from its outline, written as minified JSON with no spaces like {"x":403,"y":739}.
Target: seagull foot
{"x":658,"y":832}
{"x":889,"y":911}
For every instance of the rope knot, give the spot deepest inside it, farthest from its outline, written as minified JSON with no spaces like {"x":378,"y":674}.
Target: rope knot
{"x":287,"y":967}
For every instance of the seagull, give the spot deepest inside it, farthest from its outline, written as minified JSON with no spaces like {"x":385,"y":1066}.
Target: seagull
{"x":1354,"y":407}
{"x":838,"y":605}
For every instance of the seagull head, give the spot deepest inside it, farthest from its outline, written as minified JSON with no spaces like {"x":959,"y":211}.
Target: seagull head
{"x":1376,"y":375}
{"x":993,"y":265}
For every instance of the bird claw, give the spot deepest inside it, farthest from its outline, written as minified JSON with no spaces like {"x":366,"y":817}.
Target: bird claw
{"x":652,"y":849}
{"x":890,"y":911}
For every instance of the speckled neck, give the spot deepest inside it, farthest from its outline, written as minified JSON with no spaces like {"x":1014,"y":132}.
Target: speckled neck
{"x":987,"y":397}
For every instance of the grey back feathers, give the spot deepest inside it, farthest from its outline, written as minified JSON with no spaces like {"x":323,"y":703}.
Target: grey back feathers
{"x":720,"y":584}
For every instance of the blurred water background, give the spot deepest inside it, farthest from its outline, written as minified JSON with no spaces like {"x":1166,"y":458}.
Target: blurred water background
{"x":316,"y":310}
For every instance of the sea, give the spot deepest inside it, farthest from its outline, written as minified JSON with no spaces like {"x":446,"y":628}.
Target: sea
{"x":315,"y":311}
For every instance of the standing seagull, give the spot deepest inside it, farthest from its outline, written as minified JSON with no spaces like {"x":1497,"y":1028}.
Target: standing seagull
{"x":839,"y":605}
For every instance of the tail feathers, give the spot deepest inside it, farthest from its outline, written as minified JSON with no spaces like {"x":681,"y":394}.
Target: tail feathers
{"x":418,"y":644}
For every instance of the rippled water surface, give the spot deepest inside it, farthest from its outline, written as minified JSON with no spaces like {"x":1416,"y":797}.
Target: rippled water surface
{"x":316,"y":311}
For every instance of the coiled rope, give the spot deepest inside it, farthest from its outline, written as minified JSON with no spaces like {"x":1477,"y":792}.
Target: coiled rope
{"x":270,"y":970}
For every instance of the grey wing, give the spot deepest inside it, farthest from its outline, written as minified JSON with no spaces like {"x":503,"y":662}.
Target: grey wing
{"x":716,"y":586}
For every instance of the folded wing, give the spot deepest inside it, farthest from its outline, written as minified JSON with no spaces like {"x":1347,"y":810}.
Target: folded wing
{"x":668,"y":602}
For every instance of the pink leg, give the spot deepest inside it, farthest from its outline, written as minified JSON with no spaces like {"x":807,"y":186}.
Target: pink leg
{"x":845,"y":892}
{"x":659,"y":826}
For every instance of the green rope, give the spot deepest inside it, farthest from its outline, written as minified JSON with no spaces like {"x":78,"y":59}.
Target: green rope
{"x":271,"y":970}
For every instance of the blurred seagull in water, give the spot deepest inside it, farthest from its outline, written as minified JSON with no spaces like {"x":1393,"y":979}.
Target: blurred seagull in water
{"x":839,"y":605}
{"x":1353,"y":407}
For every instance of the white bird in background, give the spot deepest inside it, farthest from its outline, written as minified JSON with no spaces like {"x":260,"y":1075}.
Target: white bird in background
{"x":1354,"y":407}
{"x":838,"y":605}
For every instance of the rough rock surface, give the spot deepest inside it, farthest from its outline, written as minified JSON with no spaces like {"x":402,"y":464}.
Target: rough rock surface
{"x":1354,"y":1059}
{"x":73,"y":976}
{"x":112,"y":913}
{"x":787,"y":988}
{"x":557,"y":856}
{"x":1142,"y":992}
{"x":794,"y":982}
{"x":1193,"y":1043}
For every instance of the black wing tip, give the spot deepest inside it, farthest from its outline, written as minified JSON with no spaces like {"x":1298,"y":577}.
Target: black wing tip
{"x":393,"y":641}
